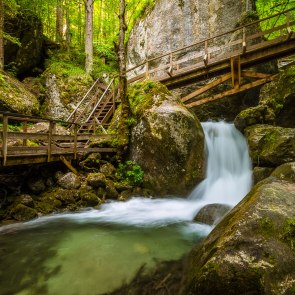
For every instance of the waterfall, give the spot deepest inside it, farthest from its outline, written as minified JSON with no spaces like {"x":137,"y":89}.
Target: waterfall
{"x":228,"y":180}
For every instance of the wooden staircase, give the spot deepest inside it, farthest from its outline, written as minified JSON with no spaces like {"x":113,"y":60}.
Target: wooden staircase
{"x":95,"y":110}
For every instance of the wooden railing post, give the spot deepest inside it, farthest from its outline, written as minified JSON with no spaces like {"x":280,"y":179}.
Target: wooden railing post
{"x":205,"y":59}
{"x":170,"y":70}
{"x":50,"y":133}
{"x":25,"y":130}
{"x":75,"y":140}
{"x":5,"y":139}
{"x":147,"y":74}
{"x":244,"y":41}
{"x":289,"y":30}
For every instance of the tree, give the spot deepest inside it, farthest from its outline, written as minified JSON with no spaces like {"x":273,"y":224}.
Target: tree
{"x":59,"y":21}
{"x":89,"y":36}
{"x":1,"y":35}
{"x":123,"y":128}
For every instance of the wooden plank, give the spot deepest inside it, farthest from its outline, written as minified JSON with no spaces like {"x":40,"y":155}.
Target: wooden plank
{"x":4,"y":139}
{"x":252,"y":74}
{"x":230,"y":92}
{"x":97,"y":150}
{"x":206,"y":88}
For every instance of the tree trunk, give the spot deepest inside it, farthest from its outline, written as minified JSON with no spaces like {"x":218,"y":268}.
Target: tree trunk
{"x":59,"y":21}
{"x":68,"y":25}
{"x":123,"y":128}
{"x":89,"y":36}
{"x":1,"y":35}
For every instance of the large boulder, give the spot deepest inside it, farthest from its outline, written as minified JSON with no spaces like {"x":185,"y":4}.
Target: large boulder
{"x":25,"y":58}
{"x":167,"y":140}
{"x":14,"y":97}
{"x":66,"y":84}
{"x":276,"y":103}
{"x":251,"y":251}
{"x":269,"y":145}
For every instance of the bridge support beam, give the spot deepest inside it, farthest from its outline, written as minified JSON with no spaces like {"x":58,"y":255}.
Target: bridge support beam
{"x":235,"y":65}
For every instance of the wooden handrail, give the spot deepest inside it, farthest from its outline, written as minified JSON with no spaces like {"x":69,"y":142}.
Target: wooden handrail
{"x":82,"y":100}
{"x":208,"y":39}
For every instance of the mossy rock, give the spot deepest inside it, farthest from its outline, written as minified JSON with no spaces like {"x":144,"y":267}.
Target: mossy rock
{"x":96,"y":180}
{"x":14,"y":97}
{"x":23,"y":213}
{"x":260,"y":173}
{"x":111,"y":192}
{"x":285,"y":172}
{"x":269,"y":145}
{"x":167,"y":140}
{"x":251,"y":250}
{"x":89,"y":199}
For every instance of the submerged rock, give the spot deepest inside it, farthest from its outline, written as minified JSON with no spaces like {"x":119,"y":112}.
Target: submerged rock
{"x":167,"y":140}
{"x":269,"y":145}
{"x":251,"y":251}
{"x":212,"y":213}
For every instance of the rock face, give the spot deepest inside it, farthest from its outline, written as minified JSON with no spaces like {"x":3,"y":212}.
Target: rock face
{"x":269,"y":145}
{"x":251,"y":251}
{"x":211,"y":213}
{"x":23,"y":60}
{"x":173,"y":24}
{"x":276,"y":104}
{"x":167,"y":140}
{"x":14,"y":97}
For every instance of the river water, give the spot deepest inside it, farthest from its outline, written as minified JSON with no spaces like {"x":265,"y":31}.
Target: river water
{"x":95,"y":251}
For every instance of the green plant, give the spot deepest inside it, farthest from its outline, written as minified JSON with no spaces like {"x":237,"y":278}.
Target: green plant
{"x":130,"y":173}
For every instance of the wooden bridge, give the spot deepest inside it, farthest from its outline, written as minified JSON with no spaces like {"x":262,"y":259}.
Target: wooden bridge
{"x":228,"y":56}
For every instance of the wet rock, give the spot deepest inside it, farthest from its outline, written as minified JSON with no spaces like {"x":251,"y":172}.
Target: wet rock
{"x":65,"y":196}
{"x":285,"y":172}
{"x":167,"y":140}
{"x":26,"y":200}
{"x":47,"y":203}
{"x":23,"y":213}
{"x":36,"y":186}
{"x":89,"y":199}
{"x":260,"y":173}
{"x":120,"y":186}
{"x":69,"y":181}
{"x":96,"y":180}
{"x":212,"y":213}
{"x":101,"y":193}
{"x":125,"y":195}
{"x":251,"y":251}
{"x":111,"y":191}
{"x":108,"y":169}
{"x":58,"y":175}
{"x":269,"y":145}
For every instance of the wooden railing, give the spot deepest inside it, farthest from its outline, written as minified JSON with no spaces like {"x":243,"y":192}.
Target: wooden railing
{"x":235,"y":42}
{"x":23,"y":145}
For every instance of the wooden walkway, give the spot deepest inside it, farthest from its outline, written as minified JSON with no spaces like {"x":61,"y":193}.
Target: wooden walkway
{"x":20,"y":146}
{"x":229,"y":55}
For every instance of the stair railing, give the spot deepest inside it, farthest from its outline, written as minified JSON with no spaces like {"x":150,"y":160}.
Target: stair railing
{"x":81,"y":101}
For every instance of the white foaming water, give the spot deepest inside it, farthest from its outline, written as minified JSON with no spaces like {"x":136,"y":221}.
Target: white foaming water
{"x":228,"y":180}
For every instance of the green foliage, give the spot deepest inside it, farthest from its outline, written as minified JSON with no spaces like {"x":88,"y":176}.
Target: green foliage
{"x":266,"y":8}
{"x":130,"y":173}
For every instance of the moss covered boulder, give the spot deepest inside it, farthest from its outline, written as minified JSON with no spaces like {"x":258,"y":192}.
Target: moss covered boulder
{"x":251,"y":251}
{"x":269,"y":145}
{"x":14,"y":97}
{"x":167,"y":140}
{"x":66,"y":84}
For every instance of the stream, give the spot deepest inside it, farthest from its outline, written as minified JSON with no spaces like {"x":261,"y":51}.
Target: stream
{"x":95,"y":251}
